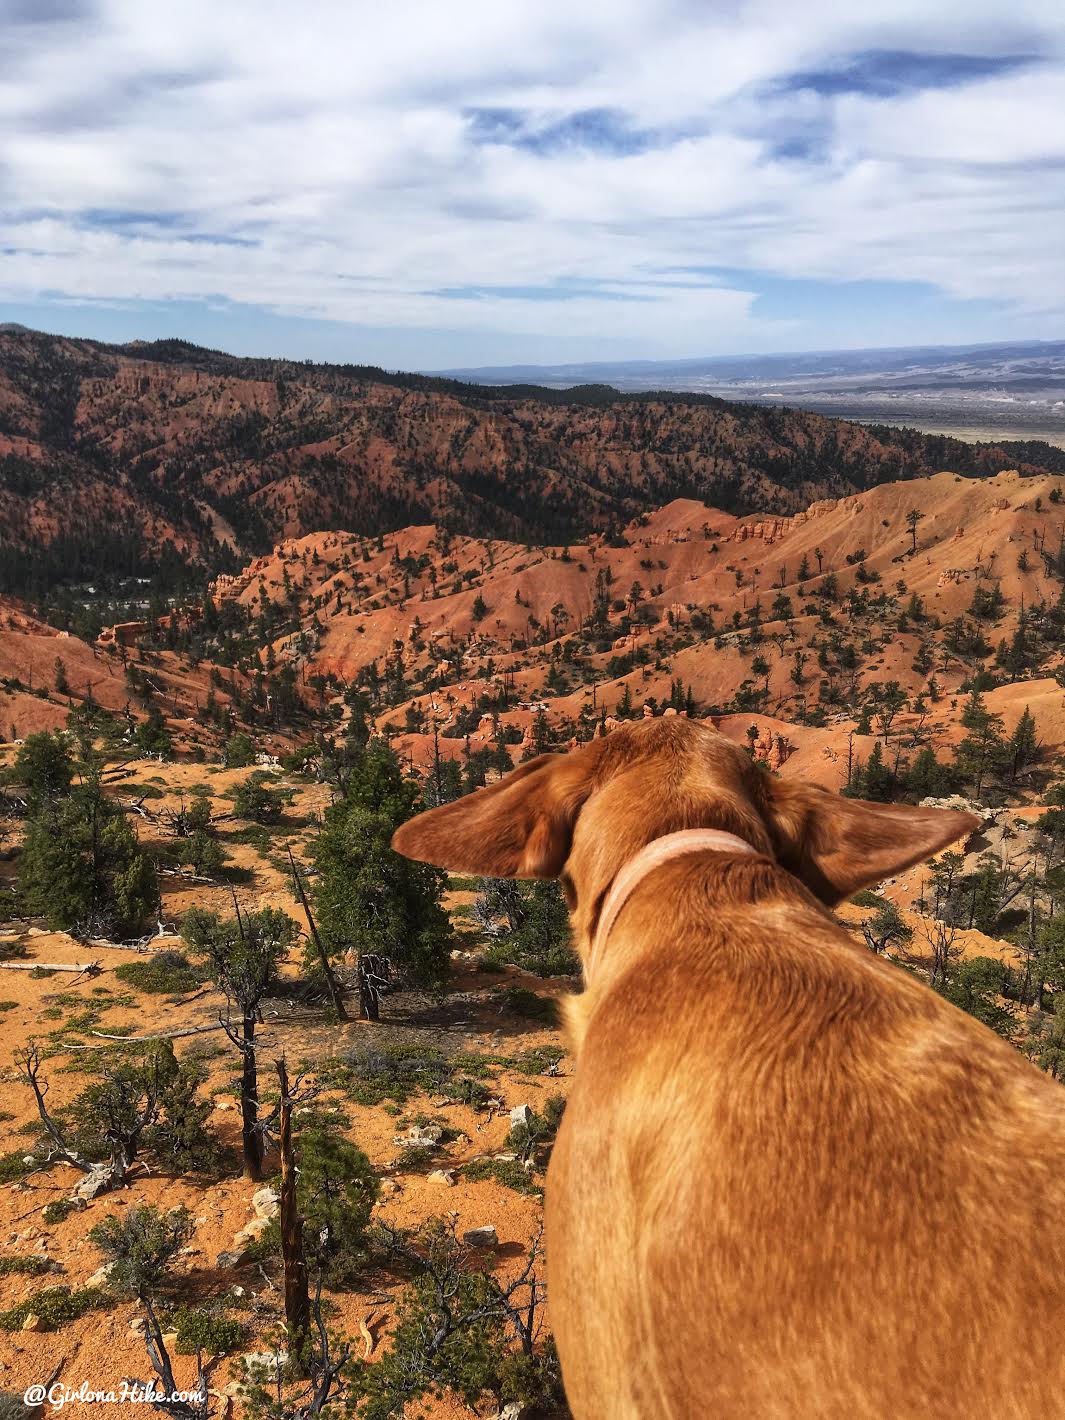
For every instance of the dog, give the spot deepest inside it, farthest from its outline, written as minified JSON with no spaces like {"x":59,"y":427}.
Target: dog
{"x":791,"y":1182}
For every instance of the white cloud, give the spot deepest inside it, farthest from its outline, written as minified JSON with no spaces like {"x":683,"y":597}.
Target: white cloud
{"x":333,"y":141}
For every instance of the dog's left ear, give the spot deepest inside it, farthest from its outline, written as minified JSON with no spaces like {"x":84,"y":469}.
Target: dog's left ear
{"x":836,"y":846}
{"x":521,"y":827}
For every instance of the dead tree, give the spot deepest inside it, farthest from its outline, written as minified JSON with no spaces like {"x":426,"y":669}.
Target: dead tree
{"x":128,"y":1103}
{"x":29,"y":1060}
{"x":326,"y":1367}
{"x":297,"y":1301}
{"x":323,"y":958}
{"x":252,"y":1134}
{"x":375,"y":981}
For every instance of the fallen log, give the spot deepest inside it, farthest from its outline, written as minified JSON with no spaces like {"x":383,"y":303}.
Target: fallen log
{"x":137,"y":1039}
{"x":91,"y":968}
{"x":158,"y":1035}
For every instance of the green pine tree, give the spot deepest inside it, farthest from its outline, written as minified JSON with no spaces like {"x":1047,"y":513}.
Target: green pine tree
{"x":370,"y":900}
{"x":82,"y":868}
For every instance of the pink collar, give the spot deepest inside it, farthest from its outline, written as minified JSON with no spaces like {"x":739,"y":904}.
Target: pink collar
{"x":651,"y":856}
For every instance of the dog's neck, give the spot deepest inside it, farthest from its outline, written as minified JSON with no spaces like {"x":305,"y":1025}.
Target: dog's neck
{"x":653,"y":855}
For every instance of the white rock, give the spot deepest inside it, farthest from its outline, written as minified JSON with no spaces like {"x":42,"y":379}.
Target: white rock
{"x":252,"y":1231}
{"x":266,"y":1202}
{"x":419,"y":1137}
{"x":266,"y":1363}
{"x":443,"y":1176}
{"x":521,"y":1114}
{"x":98,"y":1180}
{"x":481,"y":1237}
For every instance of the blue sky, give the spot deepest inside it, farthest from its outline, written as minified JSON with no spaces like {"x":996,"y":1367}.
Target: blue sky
{"x":425,"y":186}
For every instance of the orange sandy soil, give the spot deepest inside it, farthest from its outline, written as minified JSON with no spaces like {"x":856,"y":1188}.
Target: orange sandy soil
{"x":99,"y":1348}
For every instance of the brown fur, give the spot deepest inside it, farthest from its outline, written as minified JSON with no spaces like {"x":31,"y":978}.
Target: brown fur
{"x":791,"y":1181}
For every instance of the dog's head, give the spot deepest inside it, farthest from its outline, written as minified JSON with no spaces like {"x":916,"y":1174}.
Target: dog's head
{"x":581,"y":815}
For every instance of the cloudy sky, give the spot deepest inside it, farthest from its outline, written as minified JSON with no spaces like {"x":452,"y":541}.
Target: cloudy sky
{"x":423,"y":184}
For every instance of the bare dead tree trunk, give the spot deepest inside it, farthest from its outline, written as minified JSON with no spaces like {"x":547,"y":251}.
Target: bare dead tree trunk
{"x":323,"y":960}
{"x":251,"y":1134}
{"x":297,"y":1300}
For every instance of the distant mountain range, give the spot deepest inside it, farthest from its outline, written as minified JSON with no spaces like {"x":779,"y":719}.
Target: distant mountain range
{"x":1001,"y":389}
{"x":130,"y":460}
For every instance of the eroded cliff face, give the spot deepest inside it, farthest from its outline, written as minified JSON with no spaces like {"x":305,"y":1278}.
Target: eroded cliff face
{"x":184,"y":451}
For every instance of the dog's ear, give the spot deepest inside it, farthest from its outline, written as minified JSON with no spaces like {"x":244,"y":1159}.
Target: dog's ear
{"x":519,"y":828}
{"x":836,"y":845}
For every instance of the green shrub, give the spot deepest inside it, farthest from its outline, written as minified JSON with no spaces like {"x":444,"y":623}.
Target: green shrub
{"x":463,"y":1090}
{"x":535,"y":1139}
{"x":529,"y":1004}
{"x":395,"y":1072}
{"x":199,"y":1330}
{"x":239,"y":752}
{"x":254,"y":800}
{"x":508,"y":1172}
{"x":165,"y":973}
{"x":415,"y":1158}
{"x":28,"y":1266}
{"x":14,"y":1166}
{"x":537,"y":1062}
{"x":254,"y":836}
{"x":57,"y":1211}
{"x":336,"y":1189}
{"x":868,"y":898}
{"x":54,"y":1306}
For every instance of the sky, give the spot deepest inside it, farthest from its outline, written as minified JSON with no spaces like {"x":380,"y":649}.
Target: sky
{"x":424,"y":185}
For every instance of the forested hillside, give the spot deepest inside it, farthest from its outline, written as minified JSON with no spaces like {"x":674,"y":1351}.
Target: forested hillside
{"x":161,"y":458}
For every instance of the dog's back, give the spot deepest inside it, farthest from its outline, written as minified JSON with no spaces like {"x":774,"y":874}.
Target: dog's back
{"x":793,"y":1182}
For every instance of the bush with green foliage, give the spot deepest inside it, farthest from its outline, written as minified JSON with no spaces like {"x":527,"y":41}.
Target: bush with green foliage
{"x":202,"y":852}
{"x":374,"y":1073}
{"x":336,"y":1189}
{"x":533,"y":923}
{"x":243,"y":955}
{"x":13,"y":1166}
{"x":256,"y":801}
{"x":368,"y":898}
{"x":533,"y":1139}
{"x":82,"y":868}
{"x":166,"y":973}
{"x":974,"y":985}
{"x":43,"y":768}
{"x":152,"y":737}
{"x":239,"y":751}
{"x":139,"y":1245}
{"x":528,"y":1004}
{"x":55,"y":1306}
{"x":462,"y":1330}
{"x":144,"y":1104}
{"x":507,"y":1172}
{"x":207,"y":1331}
{"x":28,"y":1265}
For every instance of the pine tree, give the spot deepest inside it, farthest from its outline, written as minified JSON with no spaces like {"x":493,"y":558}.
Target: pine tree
{"x":875,"y":779}
{"x":82,"y":868}
{"x":981,"y":751}
{"x":1022,"y":747}
{"x":43,"y":768}
{"x":370,"y":900}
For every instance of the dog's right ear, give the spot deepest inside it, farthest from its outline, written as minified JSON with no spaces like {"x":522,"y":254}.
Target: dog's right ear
{"x":521,"y":827}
